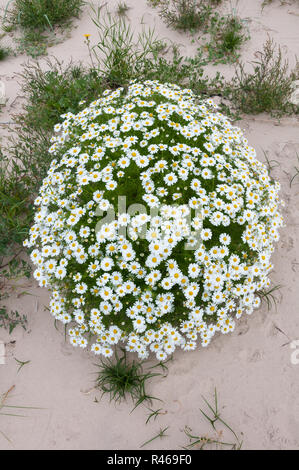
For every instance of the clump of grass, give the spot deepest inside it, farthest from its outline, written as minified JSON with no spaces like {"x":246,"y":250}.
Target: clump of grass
{"x":42,"y":14}
{"x":186,"y":15}
{"x":119,"y":58}
{"x":268,"y":87}
{"x":227,"y":36}
{"x":121,"y":378}
{"x":56,"y":90}
{"x":37,"y":20}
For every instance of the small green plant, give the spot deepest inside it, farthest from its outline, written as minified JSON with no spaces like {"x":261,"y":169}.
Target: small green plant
{"x":282,"y":2}
{"x":154,"y":3}
{"x":296,"y":173}
{"x":33,"y":43}
{"x":56,"y":91}
{"x":11,"y":267}
{"x":227,"y":36}
{"x":43,"y":14}
{"x":268,"y":87}
{"x":10,"y":320}
{"x":213,"y":417}
{"x":160,"y":435}
{"x":37,"y":20}
{"x":186,"y":15}
{"x":153,"y":414}
{"x":121,"y":378}
{"x":267,"y":295}
{"x":21,"y":364}
{"x":270,"y":164}
{"x":120,"y":58}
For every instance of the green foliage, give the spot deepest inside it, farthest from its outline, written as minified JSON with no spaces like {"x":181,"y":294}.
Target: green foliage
{"x":10,"y":320}
{"x":296,"y":173}
{"x":119,"y":58}
{"x":120,"y":378}
{"x":227,"y":36}
{"x":201,"y":442}
{"x":42,"y":14}
{"x":33,"y":43}
{"x":159,"y":435}
{"x":56,"y":91}
{"x":268,"y":87}
{"x":186,"y":15}
{"x":37,"y":19}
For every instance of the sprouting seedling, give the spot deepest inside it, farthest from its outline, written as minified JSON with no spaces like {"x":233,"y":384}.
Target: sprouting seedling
{"x":145,"y":398}
{"x":21,"y":363}
{"x":215,"y":417}
{"x":297,"y":172}
{"x":216,"y":414}
{"x":268,"y":297}
{"x":160,"y":434}
{"x":270,"y":164}
{"x":154,"y":414}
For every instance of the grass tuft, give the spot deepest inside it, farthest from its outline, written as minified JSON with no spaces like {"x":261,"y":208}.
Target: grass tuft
{"x":120,"y":378}
{"x":227,"y":36}
{"x":186,"y":15}
{"x":42,"y":14}
{"x":268,"y":87}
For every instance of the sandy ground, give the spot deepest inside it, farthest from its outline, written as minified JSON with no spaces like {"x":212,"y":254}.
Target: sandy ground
{"x":257,"y":382}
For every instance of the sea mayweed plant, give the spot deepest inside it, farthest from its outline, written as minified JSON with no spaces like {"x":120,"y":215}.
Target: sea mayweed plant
{"x":155,"y":224}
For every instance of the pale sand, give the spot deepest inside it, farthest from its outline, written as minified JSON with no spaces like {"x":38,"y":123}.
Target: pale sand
{"x":257,"y":384}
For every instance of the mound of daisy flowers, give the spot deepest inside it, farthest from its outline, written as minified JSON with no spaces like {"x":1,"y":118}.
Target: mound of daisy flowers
{"x":155,"y":224}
